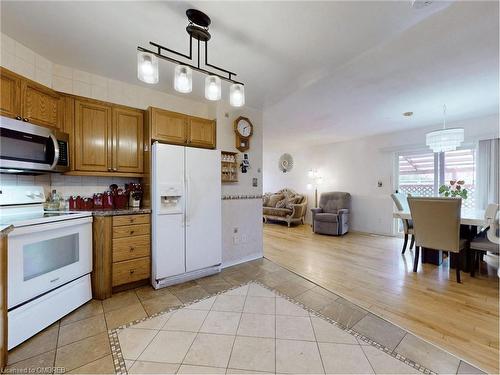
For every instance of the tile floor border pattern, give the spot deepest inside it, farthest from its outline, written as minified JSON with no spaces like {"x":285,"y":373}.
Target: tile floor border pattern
{"x":116,"y":352}
{"x":119,"y":361}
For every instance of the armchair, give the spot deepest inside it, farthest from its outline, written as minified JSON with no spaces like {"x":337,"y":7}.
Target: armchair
{"x":332,"y":215}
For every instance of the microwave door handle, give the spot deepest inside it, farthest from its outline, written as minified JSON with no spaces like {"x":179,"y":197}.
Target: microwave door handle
{"x":56,"y":150}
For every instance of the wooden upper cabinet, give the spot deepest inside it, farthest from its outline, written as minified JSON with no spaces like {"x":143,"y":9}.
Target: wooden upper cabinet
{"x":201,"y":132}
{"x":41,"y":105}
{"x":28,"y":100}
{"x":169,"y":127}
{"x":92,"y":137}
{"x":10,"y":99}
{"x":128,"y":140}
{"x":181,"y":129}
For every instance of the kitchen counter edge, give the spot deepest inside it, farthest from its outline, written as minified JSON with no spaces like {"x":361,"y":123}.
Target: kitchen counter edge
{"x":127,"y":211}
{"x":5,"y":229}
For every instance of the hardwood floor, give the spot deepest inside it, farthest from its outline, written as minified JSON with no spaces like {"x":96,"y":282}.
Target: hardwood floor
{"x":370,"y":271}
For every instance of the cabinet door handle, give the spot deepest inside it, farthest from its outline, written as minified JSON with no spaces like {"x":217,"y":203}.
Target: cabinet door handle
{"x":131,"y":232}
{"x":132,"y":271}
{"x":114,"y":169}
{"x":132,"y":248}
{"x":109,"y":169}
{"x":19,"y":118}
{"x":26,"y":119}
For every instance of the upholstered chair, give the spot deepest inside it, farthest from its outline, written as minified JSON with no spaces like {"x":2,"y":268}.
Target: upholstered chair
{"x":486,"y":243}
{"x":401,"y":202}
{"x":436,"y":224}
{"x":332,"y":215}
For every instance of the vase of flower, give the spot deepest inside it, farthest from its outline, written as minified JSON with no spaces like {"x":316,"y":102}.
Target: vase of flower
{"x":454,"y":189}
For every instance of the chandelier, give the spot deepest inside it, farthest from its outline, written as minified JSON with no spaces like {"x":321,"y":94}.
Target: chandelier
{"x":444,"y":139}
{"x":147,"y":64}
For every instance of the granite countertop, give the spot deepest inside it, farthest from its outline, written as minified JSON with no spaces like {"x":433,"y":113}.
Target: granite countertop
{"x":126,"y":211}
{"x":5,"y":229}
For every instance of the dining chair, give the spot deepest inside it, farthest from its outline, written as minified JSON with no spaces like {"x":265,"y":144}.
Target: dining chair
{"x":436,"y":224}
{"x":401,"y":202}
{"x":489,"y":243}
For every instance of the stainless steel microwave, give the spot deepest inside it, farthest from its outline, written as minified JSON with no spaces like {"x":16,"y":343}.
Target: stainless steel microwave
{"x":28,"y":148}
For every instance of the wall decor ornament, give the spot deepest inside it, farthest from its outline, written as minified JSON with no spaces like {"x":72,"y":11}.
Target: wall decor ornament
{"x":285,"y":163}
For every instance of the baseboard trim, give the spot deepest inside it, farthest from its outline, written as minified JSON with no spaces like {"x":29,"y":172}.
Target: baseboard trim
{"x":242,"y":260}
{"x":182,"y":278}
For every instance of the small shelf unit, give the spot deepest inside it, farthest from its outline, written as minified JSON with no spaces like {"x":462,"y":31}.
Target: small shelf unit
{"x":229,"y":166}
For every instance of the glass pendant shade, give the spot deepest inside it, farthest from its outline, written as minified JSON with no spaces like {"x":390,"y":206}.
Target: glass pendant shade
{"x":147,"y":67}
{"x":445,"y":139}
{"x":212,"y":88}
{"x":183,"y":80}
{"x":237,"y":95}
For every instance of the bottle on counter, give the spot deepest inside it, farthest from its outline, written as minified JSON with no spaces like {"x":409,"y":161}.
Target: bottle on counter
{"x":55,"y":202}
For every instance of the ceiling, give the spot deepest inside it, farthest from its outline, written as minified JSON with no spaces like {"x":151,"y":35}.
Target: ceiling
{"x":320,"y":71}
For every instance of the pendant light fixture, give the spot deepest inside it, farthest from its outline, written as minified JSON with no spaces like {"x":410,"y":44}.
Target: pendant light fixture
{"x":237,"y":95}
{"x":183,"y":82}
{"x":212,"y":88}
{"x":147,"y":67}
{"x":446,"y":139}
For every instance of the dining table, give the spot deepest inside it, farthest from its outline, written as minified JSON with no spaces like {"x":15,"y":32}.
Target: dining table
{"x":470,"y":220}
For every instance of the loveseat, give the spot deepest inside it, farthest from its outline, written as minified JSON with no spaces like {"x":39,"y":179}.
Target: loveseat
{"x":286,"y":205}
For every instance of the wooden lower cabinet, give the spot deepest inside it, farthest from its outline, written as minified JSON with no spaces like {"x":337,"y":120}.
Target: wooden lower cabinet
{"x":129,"y":271}
{"x":121,"y":252}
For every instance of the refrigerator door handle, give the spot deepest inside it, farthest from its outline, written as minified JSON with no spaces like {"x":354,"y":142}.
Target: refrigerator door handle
{"x":187,"y":215}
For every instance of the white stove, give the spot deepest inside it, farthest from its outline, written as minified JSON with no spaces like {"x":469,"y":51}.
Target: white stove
{"x":49,"y":261}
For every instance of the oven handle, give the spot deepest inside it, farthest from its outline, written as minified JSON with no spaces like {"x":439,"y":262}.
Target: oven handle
{"x":56,"y":150}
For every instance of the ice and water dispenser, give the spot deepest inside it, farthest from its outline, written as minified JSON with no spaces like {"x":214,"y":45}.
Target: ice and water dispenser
{"x":171,"y":199}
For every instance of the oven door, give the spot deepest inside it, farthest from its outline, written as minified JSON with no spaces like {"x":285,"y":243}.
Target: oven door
{"x":27,"y":147}
{"x":45,"y":256}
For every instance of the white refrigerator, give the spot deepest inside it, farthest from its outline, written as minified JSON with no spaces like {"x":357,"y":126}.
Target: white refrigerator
{"x":186,"y":217}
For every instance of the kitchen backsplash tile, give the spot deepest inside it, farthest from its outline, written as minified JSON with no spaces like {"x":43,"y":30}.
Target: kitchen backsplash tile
{"x":66,"y":185}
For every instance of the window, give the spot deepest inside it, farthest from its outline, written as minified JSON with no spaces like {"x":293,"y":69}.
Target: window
{"x":421,"y":173}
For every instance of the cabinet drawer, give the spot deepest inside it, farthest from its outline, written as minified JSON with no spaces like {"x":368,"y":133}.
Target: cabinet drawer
{"x":131,"y":270}
{"x":130,"y":230}
{"x":130,"y":219}
{"x":130,"y":248}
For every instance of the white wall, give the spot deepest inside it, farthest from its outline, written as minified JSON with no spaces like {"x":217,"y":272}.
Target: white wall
{"x":242,"y":214}
{"x":241,"y":218}
{"x":356,"y":167}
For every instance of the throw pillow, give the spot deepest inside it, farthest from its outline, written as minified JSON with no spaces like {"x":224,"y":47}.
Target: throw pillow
{"x":291,"y":201}
{"x":273,"y":199}
{"x":281,"y":203}
{"x":265,"y":199}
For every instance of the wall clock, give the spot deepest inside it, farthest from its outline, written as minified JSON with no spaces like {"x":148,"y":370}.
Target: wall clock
{"x":243,"y":129}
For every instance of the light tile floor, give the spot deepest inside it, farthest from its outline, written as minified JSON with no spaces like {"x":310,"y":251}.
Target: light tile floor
{"x":243,"y":324}
{"x":250,"y":328}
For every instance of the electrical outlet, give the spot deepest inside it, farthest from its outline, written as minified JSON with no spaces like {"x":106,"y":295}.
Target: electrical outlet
{"x":244,"y":238}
